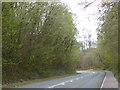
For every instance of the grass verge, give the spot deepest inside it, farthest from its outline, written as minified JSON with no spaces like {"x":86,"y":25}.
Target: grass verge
{"x":95,"y":69}
{"x":35,"y":81}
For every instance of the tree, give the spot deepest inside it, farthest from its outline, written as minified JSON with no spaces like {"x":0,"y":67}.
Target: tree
{"x":108,"y":37}
{"x":38,"y":41}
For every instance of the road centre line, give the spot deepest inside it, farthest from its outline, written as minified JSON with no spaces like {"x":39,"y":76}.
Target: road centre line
{"x":63,"y":83}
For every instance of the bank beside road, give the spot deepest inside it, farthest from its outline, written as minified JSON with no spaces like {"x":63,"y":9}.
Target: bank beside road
{"x":109,"y":81}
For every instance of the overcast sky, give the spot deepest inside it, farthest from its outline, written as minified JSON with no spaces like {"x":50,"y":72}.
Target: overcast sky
{"x":86,"y":18}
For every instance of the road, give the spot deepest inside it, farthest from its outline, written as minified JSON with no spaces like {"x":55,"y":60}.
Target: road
{"x":87,"y":79}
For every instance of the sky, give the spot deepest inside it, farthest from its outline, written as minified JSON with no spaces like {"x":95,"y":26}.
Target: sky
{"x":86,"y":18}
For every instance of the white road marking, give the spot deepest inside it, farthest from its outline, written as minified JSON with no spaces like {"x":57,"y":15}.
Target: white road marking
{"x":57,"y":85}
{"x":71,"y":80}
{"x":103,"y":83}
{"x":93,"y":72}
{"x":77,"y":78}
{"x":63,"y":83}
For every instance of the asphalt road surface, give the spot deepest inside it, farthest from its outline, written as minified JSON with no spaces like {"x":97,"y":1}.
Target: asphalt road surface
{"x":87,"y":79}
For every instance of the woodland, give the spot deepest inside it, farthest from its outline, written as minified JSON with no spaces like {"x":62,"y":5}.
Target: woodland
{"x":38,"y":41}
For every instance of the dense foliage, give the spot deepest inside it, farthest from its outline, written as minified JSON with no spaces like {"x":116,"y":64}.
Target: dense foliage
{"x":90,"y":59}
{"x":38,"y":41}
{"x":108,"y":38}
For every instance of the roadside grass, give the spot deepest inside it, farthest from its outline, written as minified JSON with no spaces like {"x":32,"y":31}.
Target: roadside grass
{"x":13,"y":85}
{"x":98,"y":69}
{"x":117,"y":75}
{"x":84,"y":69}
{"x":95,"y":69}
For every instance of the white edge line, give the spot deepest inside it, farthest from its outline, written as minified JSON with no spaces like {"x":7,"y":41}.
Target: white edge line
{"x":103,"y":82}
